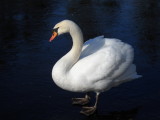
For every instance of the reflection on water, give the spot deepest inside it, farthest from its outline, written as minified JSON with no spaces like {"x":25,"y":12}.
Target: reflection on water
{"x":95,"y":19}
{"x":149,"y":33}
{"x":27,"y":90}
{"x":117,"y":115}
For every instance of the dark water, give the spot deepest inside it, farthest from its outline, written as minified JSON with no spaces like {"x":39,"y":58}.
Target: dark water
{"x":27,"y":91}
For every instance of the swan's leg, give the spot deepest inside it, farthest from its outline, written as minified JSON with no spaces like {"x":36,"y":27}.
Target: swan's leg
{"x":81,"y":101}
{"x":90,"y":110}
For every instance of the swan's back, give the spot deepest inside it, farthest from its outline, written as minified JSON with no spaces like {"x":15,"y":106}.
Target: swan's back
{"x":103,"y":63}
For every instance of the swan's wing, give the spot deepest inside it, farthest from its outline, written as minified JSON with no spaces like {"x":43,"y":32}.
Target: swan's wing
{"x":102,"y":58}
{"x":91,"y":46}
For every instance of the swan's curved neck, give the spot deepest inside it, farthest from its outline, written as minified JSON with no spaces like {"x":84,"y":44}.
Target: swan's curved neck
{"x":77,"y":38}
{"x":63,"y":66}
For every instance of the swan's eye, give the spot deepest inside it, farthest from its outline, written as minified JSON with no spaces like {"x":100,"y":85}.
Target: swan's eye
{"x":55,"y":30}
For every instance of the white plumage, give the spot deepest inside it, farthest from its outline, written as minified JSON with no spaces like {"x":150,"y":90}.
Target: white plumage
{"x":97,"y":65}
{"x":103,"y":63}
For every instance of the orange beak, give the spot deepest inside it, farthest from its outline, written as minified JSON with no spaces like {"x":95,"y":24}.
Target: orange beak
{"x":53,"y":36}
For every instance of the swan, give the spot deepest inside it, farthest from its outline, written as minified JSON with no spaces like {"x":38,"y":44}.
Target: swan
{"x":94,"y":66}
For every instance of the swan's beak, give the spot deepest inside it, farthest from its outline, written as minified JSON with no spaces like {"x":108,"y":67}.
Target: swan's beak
{"x":53,"y":36}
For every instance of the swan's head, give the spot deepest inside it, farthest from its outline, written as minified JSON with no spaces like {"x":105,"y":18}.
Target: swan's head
{"x":60,"y":28}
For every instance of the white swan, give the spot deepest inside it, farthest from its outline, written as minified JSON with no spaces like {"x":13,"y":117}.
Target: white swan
{"x":97,"y":65}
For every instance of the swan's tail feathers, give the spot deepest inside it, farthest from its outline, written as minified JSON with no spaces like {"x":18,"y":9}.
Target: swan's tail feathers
{"x":136,"y":76}
{"x":129,"y":75}
{"x":132,"y":74}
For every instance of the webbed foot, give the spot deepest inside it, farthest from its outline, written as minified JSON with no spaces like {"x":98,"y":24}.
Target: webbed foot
{"x":88,"y":110}
{"x":81,"y":101}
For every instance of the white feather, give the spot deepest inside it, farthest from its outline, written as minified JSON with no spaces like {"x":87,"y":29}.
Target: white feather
{"x":97,"y":65}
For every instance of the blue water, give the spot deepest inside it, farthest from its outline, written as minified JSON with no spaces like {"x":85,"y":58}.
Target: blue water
{"x":27,"y":91}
